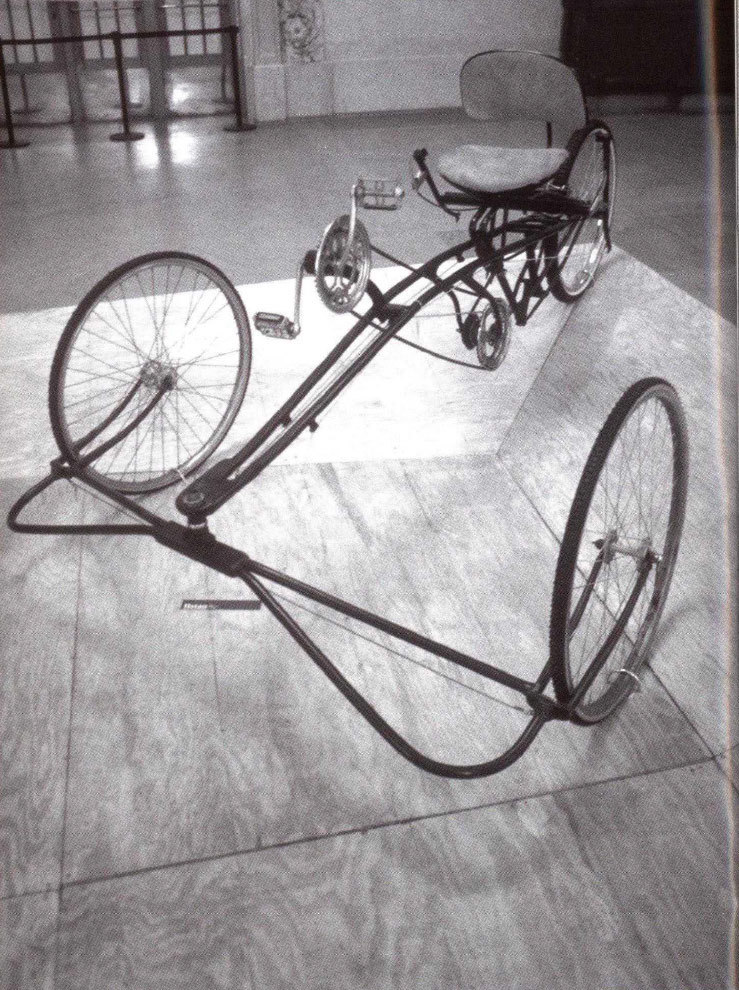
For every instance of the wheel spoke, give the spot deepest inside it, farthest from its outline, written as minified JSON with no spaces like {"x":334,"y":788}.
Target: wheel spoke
{"x":620,"y":545}
{"x":166,"y":323}
{"x":579,"y":249}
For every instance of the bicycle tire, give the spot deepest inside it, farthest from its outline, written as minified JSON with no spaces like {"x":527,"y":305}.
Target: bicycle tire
{"x":629,"y":530}
{"x":166,"y":320}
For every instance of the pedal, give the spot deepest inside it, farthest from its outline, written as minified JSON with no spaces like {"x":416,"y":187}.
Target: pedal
{"x":275,"y":325}
{"x":379,"y":194}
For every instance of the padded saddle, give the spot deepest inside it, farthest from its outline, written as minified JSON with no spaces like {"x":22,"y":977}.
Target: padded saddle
{"x":483,"y":169}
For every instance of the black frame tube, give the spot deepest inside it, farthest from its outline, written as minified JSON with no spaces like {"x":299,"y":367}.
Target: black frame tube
{"x":201,"y":546}
{"x":221,"y":482}
{"x":370,"y":713}
{"x":393,"y":629}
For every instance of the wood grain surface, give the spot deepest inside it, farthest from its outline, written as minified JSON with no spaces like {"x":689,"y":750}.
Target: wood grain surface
{"x":38,"y":609}
{"x":584,"y":886}
{"x":28,"y":938}
{"x":148,"y":772}
{"x":199,"y":734}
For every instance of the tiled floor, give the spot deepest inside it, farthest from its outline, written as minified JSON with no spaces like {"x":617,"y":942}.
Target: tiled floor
{"x":184,"y":800}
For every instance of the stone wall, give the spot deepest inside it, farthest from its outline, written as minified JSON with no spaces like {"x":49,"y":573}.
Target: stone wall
{"x":307,"y":57}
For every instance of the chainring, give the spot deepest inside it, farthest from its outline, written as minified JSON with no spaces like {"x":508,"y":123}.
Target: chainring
{"x":340,"y":291}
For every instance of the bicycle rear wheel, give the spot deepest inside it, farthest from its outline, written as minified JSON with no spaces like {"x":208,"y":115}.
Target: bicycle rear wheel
{"x":150,"y":371}
{"x":590,"y":176}
{"x":619,"y":550}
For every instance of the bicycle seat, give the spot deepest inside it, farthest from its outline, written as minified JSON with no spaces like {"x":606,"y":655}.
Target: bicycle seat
{"x":484,"y":169}
{"x":515,"y":86}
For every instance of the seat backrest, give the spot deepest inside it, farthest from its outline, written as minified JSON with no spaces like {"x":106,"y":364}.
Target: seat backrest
{"x":520,"y":85}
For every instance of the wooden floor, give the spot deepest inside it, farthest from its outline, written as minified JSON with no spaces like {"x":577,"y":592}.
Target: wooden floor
{"x":185,"y":801}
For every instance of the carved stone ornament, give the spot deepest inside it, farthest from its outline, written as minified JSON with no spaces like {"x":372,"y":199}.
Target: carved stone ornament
{"x":301,"y":30}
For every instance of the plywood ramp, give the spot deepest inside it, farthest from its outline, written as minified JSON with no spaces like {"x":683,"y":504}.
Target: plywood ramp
{"x":582,"y":889}
{"x":186,"y":801}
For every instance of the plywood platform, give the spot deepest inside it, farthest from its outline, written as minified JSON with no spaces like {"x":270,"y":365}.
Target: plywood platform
{"x":186,"y":801}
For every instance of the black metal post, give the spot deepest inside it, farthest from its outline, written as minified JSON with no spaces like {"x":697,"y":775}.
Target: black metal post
{"x":233,"y":34}
{"x":11,"y":142}
{"x":126,"y":134}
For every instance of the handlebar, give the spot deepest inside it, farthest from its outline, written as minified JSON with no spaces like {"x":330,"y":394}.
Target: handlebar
{"x":419,"y":157}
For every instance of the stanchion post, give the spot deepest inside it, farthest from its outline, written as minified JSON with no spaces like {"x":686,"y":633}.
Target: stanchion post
{"x":233,"y":34}
{"x":11,"y":142}
{"x":126,"y":134}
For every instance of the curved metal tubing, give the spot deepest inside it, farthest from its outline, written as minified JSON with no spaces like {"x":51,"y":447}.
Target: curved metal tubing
{"x":219,"y":484}
{"x":201,"y":546}
{"x":213,"y":485}
{"x":116,"y":411}
{"x":64,"y":472}
{"x":93,"y":455}
{"x":368,"y":712}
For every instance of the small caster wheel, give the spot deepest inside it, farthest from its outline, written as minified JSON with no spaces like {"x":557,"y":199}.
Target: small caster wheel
{"x":494,"y":335}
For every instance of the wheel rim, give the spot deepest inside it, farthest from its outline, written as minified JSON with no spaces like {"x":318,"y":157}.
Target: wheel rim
{"x":592,"y":180}
{"x":167,"y":324}
{"x":634,"y":516}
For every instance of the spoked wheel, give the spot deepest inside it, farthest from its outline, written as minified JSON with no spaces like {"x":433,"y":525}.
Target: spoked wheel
{"x":619,"y":549}
{"x":150,"y":371}
{"x":590,"y":176}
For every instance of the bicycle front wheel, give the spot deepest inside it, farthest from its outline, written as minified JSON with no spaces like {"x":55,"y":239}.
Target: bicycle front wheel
{"x":619,"y":550}
{"x":151,"y":371}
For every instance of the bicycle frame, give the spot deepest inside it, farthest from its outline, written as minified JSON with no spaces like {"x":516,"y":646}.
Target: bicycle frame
{"x":222,"y":481}
{"x":490,"y":245}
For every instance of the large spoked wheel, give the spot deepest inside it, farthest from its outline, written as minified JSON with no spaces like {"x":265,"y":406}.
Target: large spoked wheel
{"x":150,"y":371}
{"x":590,"y":176}
{"x":619,"y":549}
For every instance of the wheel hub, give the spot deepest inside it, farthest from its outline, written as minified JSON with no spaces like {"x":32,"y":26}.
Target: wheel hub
{"x":611,"y":546}
{"x":155,"y":374}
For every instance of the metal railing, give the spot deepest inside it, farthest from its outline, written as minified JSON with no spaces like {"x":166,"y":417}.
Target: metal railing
{"x":117,"y":38}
